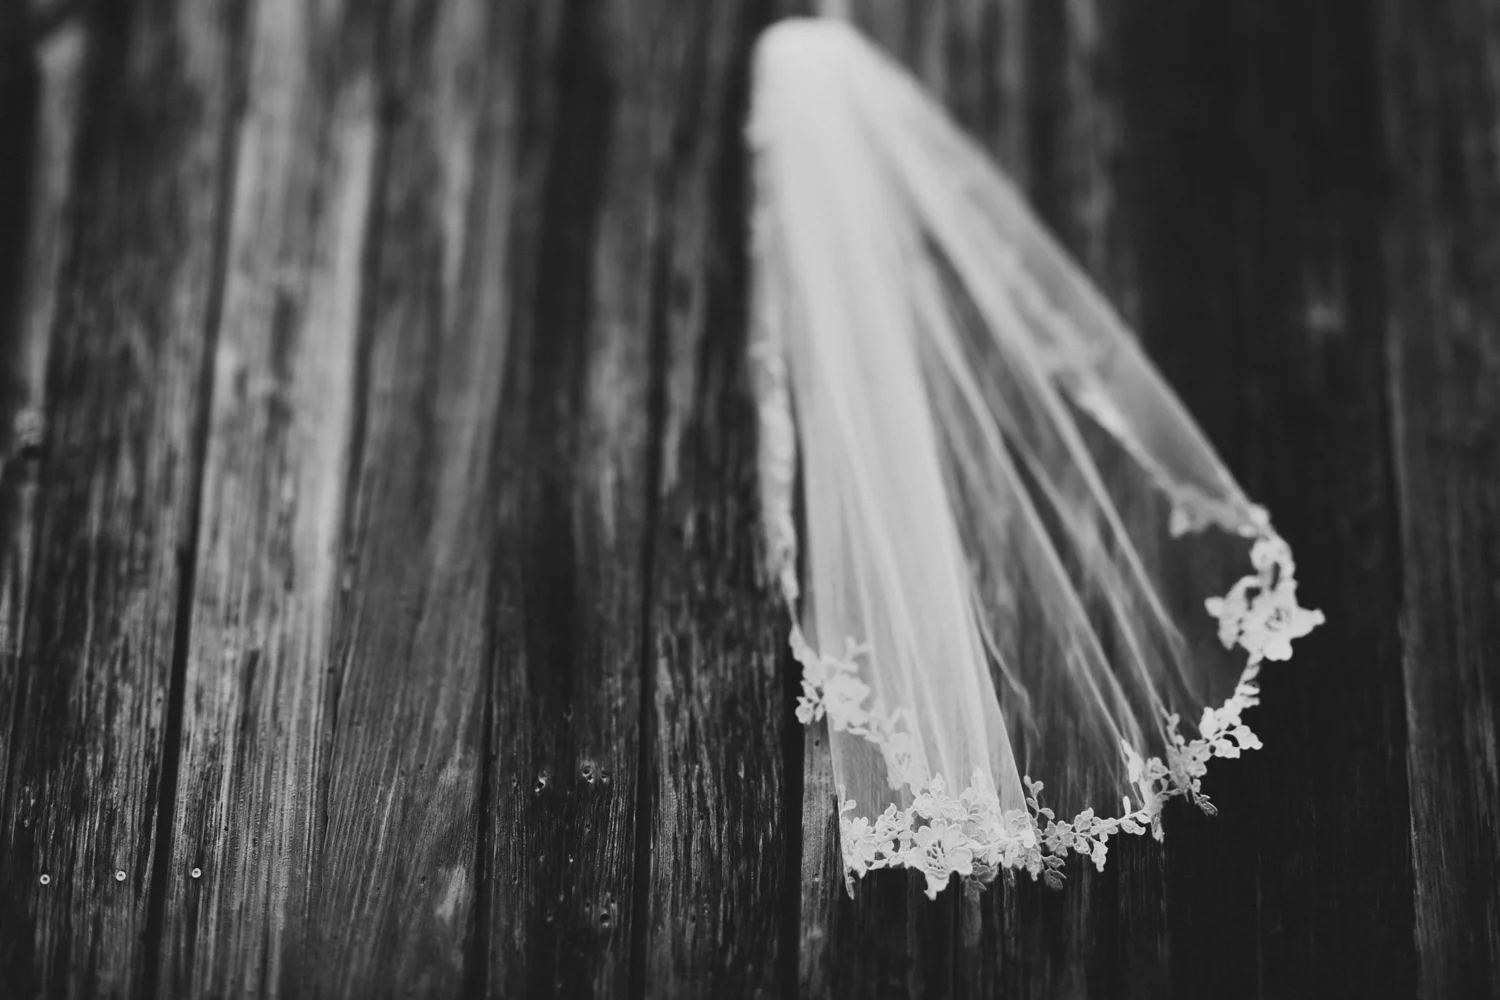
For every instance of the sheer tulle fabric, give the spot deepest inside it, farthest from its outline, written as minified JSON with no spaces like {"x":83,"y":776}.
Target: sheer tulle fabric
{"x":1010,"y":522}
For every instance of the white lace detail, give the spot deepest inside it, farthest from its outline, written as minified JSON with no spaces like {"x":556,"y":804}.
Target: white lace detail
{"x":941,"y":834}
{"x":1260,"y":612}
{"x":831,"y":689}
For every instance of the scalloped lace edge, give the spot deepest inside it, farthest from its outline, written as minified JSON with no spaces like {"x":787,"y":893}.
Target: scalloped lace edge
{"x":942,"y":834}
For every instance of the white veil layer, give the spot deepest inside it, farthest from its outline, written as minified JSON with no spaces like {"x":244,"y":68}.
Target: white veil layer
{"x":1010,"y":520}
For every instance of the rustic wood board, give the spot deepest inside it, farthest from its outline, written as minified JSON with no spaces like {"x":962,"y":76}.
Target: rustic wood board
{"x":722,"y":885}
{"x":39,"y":90}
{"x":563,"y":903}
{"x":136,"y":292}
{"x":1257,"y":205}
{"x":1441,"y":251}
{"x":360,"y":382}
{"x":397,"y":868}
{"x":259,"y":681}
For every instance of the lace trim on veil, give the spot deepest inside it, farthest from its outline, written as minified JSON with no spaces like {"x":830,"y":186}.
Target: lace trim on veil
{"x":941,"y":833}
{"x":965,"y":832}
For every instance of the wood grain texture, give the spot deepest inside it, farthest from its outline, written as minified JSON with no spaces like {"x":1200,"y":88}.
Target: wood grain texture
{"x":257,"y":698}
{"x":570,"y":604}
{"x":721,"y":886}
{"x":1256,"y":192}
{"x":396,"y":871}
{"x":20,"y":100}
{"x":134,"y":295}
{"x":1441,"y":252}
{"x":39,"y":92}
{"x":820,"y":865}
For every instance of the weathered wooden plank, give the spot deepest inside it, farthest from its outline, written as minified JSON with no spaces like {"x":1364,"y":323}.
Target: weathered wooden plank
{"x":136,"y":291}
{"x":562,"y":907}
{"x":721,"y":886}
{"x":1250,"y":156}
{"x":39,"y":92}
{"x":1441,"y":245}
{"x":20,"y":100}
{"x":820,"y":865}
{"x":257,"y":697}
{"x":396,"y":869}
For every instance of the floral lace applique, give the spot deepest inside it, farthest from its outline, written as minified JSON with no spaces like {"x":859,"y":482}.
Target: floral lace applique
{"x":905,"y":763}
{"x":942,"y":835}
{"x":831,"y":686}
{"x":1260,"y":612}
{"x":831,"y":689}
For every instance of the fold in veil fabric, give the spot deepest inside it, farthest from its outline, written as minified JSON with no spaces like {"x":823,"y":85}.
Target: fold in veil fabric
{"x":1011,"y":523}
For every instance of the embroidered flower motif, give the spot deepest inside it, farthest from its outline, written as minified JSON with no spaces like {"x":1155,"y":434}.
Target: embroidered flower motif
{"x":934,"y":803}
{"x":1221,"y":727}
{"x":942,"y":849}
{"x":843,"y":698}
{"x":1260,"y":612}
{"x":861,"y":847}
{"x":968,"y":835}
{"x":905,"y":763}
{"x":831,"y":686}
{"x":1147,"y":776}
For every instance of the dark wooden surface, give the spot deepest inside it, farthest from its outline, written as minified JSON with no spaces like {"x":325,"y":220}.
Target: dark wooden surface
{"x":377,"y":500}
